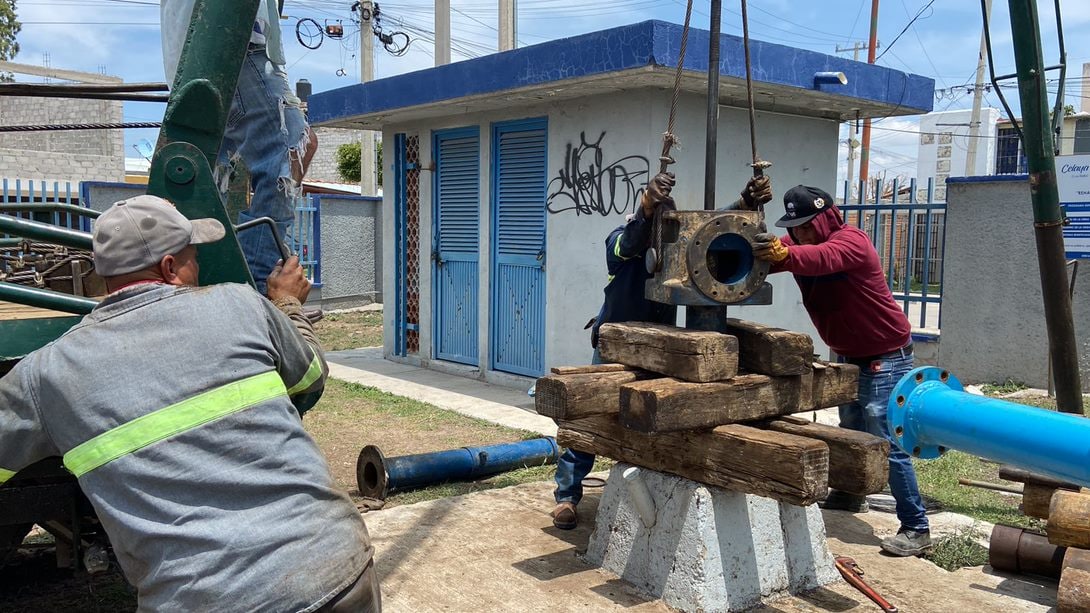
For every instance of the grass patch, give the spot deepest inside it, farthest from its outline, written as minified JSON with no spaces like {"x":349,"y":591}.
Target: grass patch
{"x":339,"y":331}
{"x":1007,"y":387}
{"x":351,"y":415}
{"x":959,"y":550}
{"x":938,"y":479}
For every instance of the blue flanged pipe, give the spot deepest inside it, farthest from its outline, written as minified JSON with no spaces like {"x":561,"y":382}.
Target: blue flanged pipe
{"x":929,"y":412}
{"x":378,"y":476}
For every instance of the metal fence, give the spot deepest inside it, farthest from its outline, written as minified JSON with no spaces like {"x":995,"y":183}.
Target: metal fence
{"x":54,"y":195}
{"x":910,"y":237}
{"x":306,"y":236}
{"x":304,"y":239}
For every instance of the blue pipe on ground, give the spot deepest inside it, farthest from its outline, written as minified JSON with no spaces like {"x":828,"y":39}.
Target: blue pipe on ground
{"x":378,"y":476}
{"x":929,"y":412}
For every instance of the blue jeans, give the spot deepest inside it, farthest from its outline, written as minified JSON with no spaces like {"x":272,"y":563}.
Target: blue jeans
{"x":267,"y":131}
{"x":868,"y":414}
{"x":573,"y":466}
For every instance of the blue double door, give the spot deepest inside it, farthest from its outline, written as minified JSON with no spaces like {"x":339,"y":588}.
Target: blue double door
{"x":516,"y":325}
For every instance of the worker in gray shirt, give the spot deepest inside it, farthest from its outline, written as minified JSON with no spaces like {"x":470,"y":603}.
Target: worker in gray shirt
{"x":178,"y":409}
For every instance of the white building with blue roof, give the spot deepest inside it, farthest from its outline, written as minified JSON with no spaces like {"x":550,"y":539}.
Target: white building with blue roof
{"x":504,"y":175}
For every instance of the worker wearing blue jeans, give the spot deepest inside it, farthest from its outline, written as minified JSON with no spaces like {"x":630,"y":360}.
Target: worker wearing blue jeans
{"x":877,"y":379}
{"x":625,"y":301}
{"x":571,"y":468}
{"x":266,"y":130}
{"x":844,"y":290}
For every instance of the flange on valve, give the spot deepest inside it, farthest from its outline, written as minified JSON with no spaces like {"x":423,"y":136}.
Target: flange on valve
{"x":706,"y":258}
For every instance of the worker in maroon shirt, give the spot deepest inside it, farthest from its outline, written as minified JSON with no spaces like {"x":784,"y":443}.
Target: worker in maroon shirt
{"x":845,"y":293}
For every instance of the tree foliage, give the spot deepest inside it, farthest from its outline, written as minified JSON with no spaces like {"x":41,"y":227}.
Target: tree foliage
{"x":348,"y":162}
{"x":9,"y":29}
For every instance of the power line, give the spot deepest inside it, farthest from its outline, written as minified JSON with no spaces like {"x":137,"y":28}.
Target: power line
{"x":944,"y":133}
{"x":862,"y":4}
{"x":898,"y":37}
{"x":799,"y":25}
{"x":924,"y":49}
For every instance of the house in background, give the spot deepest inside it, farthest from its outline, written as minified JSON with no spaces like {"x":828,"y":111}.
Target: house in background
{"x":64,"y":156}
{"x":505,"y":173}
{"x":1010,"y":159}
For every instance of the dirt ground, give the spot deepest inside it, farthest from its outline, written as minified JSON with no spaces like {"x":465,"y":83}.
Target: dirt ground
{"x":498,"y":551}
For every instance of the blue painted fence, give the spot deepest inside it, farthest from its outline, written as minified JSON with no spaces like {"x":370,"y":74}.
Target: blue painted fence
{"x":910,"y":236}
{"x":305,"y":236}
{"x":19,"y":191}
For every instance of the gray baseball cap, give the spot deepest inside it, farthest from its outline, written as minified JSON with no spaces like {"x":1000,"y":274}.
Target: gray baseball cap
{"x":137,"y":233}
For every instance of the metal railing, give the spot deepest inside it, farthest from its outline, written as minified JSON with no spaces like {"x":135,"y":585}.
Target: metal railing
{"x":51,"y":202}
{"x":58,"y":203}
{"x":910,"y":237}
{"x":306,"y":236}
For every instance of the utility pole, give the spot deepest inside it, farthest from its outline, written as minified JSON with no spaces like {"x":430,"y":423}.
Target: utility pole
{"x":872,"y":46}
{"x":368,"y":181}
{"x":508,"y":24}
{"x":978,"y":95}
{"x":852,"y":142}
{"x":1084,"y":104}
{"x":442,"y":32}
{"x":1047,"y":217}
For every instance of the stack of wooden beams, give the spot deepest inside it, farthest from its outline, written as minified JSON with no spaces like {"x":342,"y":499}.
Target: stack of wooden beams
{"x":716,"y":408}
{"x":1066,"y":507}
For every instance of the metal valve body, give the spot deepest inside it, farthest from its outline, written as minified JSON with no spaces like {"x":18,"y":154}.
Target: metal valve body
{"x":707,"y":259}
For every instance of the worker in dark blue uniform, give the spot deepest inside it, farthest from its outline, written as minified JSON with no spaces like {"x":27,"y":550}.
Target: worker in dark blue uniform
{"x":624,"y":301}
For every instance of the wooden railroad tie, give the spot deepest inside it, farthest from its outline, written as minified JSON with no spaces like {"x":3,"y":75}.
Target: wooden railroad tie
{"x":716,"y":408}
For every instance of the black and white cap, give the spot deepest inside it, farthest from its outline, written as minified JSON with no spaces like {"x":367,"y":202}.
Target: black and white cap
{"x":802,"y":204}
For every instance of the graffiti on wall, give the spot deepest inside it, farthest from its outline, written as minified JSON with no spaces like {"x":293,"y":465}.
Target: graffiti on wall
{"x":588,"y":185}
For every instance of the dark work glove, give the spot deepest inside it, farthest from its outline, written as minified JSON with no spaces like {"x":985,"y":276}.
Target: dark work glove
{"x":658,"y":193}
{"x":758,"y":191}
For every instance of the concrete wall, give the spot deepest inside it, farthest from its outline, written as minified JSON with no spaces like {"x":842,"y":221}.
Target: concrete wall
{"x":626,"y":129}
{"x":101,"y":195}
{"x":993,"y":322}
{"x":351,"y":251}
{"x":324,"y":166}
{"x":77,"y":155}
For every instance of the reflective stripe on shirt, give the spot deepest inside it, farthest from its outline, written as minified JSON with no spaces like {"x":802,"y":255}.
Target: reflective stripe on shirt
{"x":312,"y":375}
{"x":617,"y":247}
{"x":174,"y":419}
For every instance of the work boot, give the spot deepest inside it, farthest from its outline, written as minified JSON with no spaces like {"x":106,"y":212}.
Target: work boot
{"x":564,"y":516}
{"x":843,"y":501}
{"x":907,"y":543}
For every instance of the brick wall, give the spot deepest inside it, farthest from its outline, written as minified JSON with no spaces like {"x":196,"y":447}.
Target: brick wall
{"x":324,"y":167}
{"x":77,"y":155}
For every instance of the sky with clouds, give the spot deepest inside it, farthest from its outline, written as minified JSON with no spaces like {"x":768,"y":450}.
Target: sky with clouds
{"x":121,"y":37}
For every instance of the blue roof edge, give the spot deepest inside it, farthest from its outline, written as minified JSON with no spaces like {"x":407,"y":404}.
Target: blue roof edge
{"x":648,"y":43}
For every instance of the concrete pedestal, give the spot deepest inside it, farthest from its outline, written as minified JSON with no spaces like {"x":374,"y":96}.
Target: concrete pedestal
{"x":708,"y":549}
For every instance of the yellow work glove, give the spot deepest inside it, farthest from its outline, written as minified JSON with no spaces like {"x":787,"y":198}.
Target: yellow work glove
{"x":768,"y":247}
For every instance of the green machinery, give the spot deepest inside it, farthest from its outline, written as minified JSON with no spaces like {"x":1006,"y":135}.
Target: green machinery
{"x":181,"y":171}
